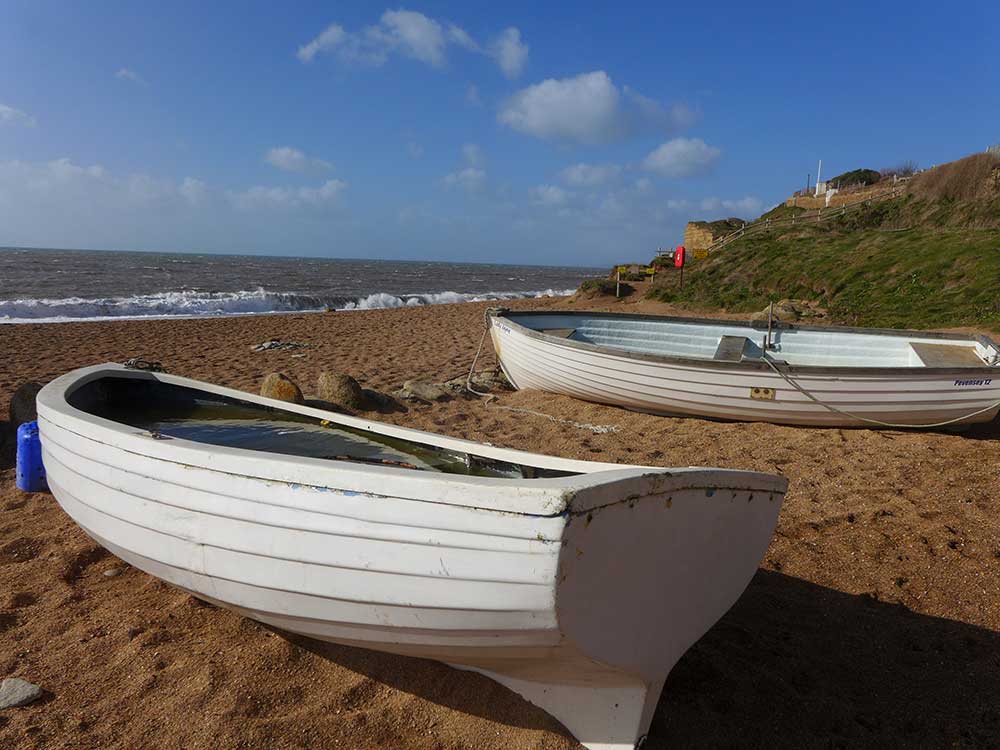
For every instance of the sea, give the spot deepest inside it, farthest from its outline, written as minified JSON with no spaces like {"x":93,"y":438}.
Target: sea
{"x":39,"y":286}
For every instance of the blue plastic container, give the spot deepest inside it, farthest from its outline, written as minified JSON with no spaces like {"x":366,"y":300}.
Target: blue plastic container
{"x":30,"y":471}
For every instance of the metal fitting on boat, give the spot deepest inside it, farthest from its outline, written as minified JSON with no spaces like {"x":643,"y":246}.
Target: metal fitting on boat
{"x":137,"y":363}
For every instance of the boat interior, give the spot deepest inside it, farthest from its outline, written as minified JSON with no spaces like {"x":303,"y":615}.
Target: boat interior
{"x":171,"y":411}
{"x":735,"y":343}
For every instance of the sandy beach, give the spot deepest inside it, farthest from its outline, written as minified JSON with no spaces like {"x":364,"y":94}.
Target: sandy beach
{"x":874,"y":620}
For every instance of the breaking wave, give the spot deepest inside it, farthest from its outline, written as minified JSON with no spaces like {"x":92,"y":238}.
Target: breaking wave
{"x":255,"y":302}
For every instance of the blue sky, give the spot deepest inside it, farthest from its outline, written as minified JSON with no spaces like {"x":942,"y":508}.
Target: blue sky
{"x":577,"y":133}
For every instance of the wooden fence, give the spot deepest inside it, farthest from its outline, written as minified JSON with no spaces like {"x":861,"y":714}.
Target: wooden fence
{"x":807,"y":217}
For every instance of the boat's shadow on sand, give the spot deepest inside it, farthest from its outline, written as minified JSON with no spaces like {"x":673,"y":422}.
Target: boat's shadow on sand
{"x":987,"y":431}
{"x":8,"y":445}
{"x":792,"y":665}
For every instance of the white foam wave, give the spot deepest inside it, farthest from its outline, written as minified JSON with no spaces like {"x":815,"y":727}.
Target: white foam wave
{"x":247,"y":302}
{"x":383,"y":300}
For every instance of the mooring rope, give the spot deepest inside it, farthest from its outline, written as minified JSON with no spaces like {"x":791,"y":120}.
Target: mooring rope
{"x":472,"y":368}
{"x":879,"y":422}
{"x":595,"y":428}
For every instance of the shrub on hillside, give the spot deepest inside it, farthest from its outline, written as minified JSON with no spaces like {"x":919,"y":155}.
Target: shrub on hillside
{"x":721,"y":227}
{"x":907,"y":168}
{"x":856,"y":177}
{"x":605,"y":287}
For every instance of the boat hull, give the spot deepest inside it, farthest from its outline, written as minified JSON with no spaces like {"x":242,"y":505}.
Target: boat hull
{"x":746,"y":391}
{"x":583,"y":611}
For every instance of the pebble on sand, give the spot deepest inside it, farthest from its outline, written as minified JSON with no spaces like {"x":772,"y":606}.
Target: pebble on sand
{"x":418,"y":390}
{"x":343,"y":390}
{"x":16,"y":692}
{"x":279,"y":386}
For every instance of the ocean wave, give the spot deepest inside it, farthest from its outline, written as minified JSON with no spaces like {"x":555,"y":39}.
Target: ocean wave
{"x":215,"y":304}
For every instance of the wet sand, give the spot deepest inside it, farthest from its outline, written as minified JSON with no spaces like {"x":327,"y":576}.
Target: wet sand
{"x":874,"y":620}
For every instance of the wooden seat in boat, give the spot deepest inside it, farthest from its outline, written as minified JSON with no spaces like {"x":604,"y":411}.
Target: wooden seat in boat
{"x":946,"y":355}
{"x":734,"y":349}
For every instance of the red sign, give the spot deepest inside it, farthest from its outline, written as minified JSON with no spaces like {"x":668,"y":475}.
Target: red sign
{"x":679,"y":257}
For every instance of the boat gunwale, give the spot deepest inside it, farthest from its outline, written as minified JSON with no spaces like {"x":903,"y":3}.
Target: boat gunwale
{"x":751,"y":365}
{"x":543,"y":497}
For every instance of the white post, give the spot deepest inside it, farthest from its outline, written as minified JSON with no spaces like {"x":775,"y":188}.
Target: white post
{"x":819,"y":174}
{"x":618,"y":283}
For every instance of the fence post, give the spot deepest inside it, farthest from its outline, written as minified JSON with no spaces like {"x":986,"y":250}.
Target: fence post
{"x":618,"y":283}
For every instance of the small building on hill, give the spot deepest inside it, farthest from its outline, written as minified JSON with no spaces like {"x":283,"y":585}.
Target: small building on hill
{"x":700,"y":234}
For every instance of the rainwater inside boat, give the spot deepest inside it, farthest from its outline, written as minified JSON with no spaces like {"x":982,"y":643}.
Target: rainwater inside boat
{"x":169,"y":411}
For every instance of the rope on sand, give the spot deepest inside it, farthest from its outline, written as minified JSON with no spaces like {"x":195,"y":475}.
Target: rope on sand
{"x":599,"y":429}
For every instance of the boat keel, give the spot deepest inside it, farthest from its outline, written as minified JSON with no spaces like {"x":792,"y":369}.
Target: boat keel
{"x":601,"y":717}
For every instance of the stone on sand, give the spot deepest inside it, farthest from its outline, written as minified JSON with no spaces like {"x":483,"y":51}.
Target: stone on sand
{"x":482,"y":380}
{"x":419,"y":390}
{"x":343,"y":390}
{"x":16,"y":692}
{"x":788,"y":310}
{"x":279,"y":386}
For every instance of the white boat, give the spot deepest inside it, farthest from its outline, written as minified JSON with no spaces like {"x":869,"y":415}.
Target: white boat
{"x":576,"y":584}
{"x":789,"y":374}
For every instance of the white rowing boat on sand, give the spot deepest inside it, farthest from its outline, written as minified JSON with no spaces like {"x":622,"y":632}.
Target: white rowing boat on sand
{"x":576,"y":584}
{"x":789,"y":374}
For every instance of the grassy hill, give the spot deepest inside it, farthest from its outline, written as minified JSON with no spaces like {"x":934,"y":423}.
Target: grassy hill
{"x":930,"y":258}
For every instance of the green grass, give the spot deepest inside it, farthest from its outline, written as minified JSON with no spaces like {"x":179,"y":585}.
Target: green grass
{"x":781,"y":211}
{"x":932,"y":274}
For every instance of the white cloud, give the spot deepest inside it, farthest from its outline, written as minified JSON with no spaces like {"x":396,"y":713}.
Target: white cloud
{"x":643,"y":185}
{"x":125,"y":74}
{"x":510,"y":52}
{"x":675,"y":204}
{"x":287,"y":197}
{"x":682,"y":157}
{"x":583,"y":109}
{"x":192,"y":190}
{"x":588,"y":108}
{"x":405,"y":32}
{"x":62,"y":203}
{"x":415,"y":150}
{"x":415,"y":35}
{"x":292,"y":160}
{"x":748,"y":206}
{"x":472,"y":154}
{"x":549,"y":195}
{"x":472,"y":96}
{"x":613,"y":210}
{"x":677,"y":116}
{"x":589,"y":175}
{"x":15,"y":116}
{"x":68,"y":190}
{"x":461,"y":37}
{"x":330,"y":38}
{"x":470,"y":179}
